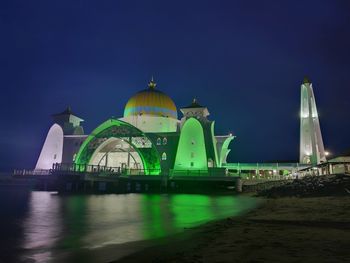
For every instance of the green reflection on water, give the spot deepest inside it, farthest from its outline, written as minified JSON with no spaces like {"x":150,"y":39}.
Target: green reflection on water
{"x":154,"y":216}
{"x":190,"y":209}
{"x":166,"y":214}
{"x":100,"y":220}
{"x":74,"y":214}
{"x":114,"y":219}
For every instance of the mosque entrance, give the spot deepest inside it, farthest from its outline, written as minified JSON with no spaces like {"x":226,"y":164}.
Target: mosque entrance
{"x":116,"y":152}
{"x":117,"y":144}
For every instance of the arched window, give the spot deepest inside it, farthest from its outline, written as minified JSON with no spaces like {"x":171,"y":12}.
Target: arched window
{"x":164,"y":156}
{"x":159,"y":141}
{"x":165,"y":141}
{"x":210,"y":162}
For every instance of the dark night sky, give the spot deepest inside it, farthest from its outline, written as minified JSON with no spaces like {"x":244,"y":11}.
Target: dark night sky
{"x":245,"y":60}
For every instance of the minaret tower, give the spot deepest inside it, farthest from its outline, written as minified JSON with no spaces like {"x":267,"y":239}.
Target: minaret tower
{"x":311,"y":143}
{"x":62,"y":141}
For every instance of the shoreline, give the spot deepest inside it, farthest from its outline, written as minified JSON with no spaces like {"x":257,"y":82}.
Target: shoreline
{"x":287,"y":229}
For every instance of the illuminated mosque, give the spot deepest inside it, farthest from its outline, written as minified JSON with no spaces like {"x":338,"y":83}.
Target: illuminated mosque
{"x":149,"y":139}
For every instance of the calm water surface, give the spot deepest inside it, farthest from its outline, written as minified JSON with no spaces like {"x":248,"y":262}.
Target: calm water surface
{"x":41,"y":225}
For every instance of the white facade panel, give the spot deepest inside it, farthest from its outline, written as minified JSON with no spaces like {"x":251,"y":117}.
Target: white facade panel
{"x":52,"y":150}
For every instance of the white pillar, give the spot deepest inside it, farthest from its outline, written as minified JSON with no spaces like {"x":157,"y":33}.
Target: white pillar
{"x":311,"y":143}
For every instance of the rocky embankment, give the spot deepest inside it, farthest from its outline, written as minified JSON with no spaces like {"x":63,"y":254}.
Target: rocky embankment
{"x":311,"y":186}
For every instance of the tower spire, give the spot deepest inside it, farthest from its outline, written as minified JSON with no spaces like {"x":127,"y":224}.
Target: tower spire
{"x":311,"y":142}
{"x":306,"y":80}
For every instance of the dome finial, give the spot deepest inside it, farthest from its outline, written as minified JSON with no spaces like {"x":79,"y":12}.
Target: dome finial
{"x":152,"y":84}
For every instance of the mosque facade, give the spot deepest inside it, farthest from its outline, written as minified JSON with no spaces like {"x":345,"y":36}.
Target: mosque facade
{"x":149,"y":139}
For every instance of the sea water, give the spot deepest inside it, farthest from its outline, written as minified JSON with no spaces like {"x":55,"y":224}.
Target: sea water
{"x":40,"y":226}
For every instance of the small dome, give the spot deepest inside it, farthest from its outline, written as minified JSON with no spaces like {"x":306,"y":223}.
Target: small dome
{"x":151,"y":102}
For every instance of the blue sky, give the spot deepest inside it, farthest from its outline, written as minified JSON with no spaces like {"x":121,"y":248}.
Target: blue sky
{"x":244,"y":60}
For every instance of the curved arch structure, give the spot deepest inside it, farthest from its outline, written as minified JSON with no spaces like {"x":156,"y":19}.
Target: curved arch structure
{"x":225,"y":150}
{"x":116,"y":152}
{"x":191,"y":152}
{"x":112,"y":131}
{"x":52,"y":150}
{"x":214,"y":142}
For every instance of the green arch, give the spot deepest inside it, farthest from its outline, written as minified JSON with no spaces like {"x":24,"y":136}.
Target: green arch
{"x":191,"y":152}
{"x":225,"y":150}
{"x":119,"y":129}
{"x":213,"y":139}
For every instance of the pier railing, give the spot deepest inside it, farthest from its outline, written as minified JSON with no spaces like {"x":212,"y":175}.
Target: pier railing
{"x":265,"y":166}
{"x":124,"y":171}
{"x":63,"y":168}
{"x":19,"y":172}
{"x":248,"y":171}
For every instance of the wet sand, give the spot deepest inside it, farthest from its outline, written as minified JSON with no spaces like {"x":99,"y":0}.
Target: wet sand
{"x":286,"y":229}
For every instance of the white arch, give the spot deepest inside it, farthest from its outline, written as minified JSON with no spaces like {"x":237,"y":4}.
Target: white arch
{"x":52,"y":150}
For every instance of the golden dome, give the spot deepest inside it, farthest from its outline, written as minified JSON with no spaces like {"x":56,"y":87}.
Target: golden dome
{"x":151,"y":102}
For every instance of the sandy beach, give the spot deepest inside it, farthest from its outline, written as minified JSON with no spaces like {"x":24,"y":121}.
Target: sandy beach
{"x":289,"y":229}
